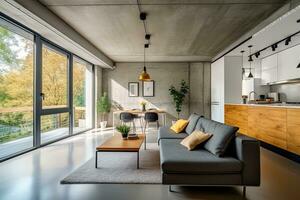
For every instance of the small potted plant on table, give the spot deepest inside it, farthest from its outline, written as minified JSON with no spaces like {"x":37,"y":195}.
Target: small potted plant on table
{"x":124,"y":130}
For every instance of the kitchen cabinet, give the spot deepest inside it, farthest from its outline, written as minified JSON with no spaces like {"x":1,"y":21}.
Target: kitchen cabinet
{"x":237,"y":116}
{"x":288,"y":61}
{"x":278,"y":126}
{"x":269,"y":69}
{"x":293,"y":130}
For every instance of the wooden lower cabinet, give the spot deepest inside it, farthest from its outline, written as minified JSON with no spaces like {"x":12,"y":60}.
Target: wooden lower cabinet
{"x":237,"y":116}
{"x":277,"y":126}
{"x":268,"y":124}
{"x":293,"y":130}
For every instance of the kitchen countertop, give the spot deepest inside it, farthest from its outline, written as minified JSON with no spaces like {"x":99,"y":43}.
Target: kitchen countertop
{"x":276,"y":105}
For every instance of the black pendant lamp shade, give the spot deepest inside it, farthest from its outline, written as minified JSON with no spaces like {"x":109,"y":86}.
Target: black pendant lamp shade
{"x":250,"y":74}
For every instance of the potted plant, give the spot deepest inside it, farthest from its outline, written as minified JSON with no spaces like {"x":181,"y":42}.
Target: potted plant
{"x":124,"y":130}
{"x":103,"y":107}
{"x":143,"y":104}
{"x":179,"y":96}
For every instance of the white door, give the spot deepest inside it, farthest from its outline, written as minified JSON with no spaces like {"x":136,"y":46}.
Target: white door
{"x":217,"y":90}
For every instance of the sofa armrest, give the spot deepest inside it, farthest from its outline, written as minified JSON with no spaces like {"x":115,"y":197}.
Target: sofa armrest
{"x":248,"y":151}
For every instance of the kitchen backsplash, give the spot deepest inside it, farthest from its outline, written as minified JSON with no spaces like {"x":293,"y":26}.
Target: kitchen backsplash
{"x":288,"y":92}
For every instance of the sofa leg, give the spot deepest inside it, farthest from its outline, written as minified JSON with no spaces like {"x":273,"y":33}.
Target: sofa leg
{"x":244,"y":191}
{"x":170,"y":188}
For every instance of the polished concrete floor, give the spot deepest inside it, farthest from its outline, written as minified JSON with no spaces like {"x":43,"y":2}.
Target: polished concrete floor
{"x":36,"y":175}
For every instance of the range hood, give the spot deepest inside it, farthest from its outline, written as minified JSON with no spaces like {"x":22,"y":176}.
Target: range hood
{"x":290,"y":81}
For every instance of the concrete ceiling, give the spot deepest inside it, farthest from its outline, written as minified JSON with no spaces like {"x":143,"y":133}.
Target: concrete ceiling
{"x":182,"y":30}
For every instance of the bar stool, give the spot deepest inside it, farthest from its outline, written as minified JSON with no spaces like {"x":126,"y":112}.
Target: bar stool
{"x":127,"y":117}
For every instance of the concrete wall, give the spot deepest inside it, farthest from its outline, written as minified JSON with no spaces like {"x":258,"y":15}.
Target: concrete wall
{"x":115,"y":82}
{"x":200,"y":88}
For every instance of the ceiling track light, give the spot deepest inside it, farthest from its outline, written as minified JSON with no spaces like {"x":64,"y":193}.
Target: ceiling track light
{"x":257,"y":54}
{"x":147,"y":36}
{"x":274,"y":46}
{"x":287,"y":41}
{"x":143,"y":16}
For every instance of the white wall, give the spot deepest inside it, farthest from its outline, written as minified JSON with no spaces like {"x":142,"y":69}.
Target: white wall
{"x":233,"y":79}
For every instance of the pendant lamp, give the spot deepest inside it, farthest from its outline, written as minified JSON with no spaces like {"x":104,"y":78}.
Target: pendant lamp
{"x":144,"y":76}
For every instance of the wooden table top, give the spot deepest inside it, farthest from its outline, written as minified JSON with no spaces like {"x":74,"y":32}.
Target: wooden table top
{"x":116,"y":143}
{"x":139,"y":111}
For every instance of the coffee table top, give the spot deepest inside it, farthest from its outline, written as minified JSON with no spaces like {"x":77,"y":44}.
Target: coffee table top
{"x":116,"y":143}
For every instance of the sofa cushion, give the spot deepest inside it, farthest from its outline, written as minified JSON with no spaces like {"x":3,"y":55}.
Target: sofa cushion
{"x":166,"y":133}
{"x":193,"y":140}
{"x":193,"y":119}
{"x":222,"y":135}
{"x":175,"y":158}
{"x":179,"y":125}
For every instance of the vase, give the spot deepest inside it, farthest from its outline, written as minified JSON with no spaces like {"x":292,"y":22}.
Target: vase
{"x":143,"y":108}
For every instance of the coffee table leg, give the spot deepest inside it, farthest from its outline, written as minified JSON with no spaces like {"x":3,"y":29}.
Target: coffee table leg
{"x":137,"y":161}
{"x":145,"y":141}
{"x":96,"y":162}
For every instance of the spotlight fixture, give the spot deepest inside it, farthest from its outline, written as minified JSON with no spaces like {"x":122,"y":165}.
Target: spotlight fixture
{"x":250,"y":58}
{"x":257,"y":54}
{"x":147,"y":36}
{"x":274,"y":46}
{"x":287,"y":41}
{"x":298,"y":21}
{"x":298,"y":65}
{"x":146,"y":45}
{"x":143,"y":16}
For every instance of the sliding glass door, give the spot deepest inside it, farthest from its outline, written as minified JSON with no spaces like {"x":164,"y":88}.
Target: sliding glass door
{"x":16,"y":89}
{"x":46,"y":93}
{"x":55,"y":119}
{"x":82,"y":95}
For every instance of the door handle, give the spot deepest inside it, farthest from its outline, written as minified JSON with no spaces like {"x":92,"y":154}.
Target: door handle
{"x":43,"y":96}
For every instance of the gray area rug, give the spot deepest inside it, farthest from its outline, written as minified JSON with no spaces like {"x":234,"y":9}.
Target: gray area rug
{"x":119,"y":168}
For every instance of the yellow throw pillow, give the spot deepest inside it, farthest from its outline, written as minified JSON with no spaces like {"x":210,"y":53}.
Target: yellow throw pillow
{"x":179,"y":125}
{"x":196,"y":138}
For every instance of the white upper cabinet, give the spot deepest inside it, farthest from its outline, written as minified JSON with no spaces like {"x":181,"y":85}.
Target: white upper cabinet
{"x":269,"y":69}
{"x":287,"y":63}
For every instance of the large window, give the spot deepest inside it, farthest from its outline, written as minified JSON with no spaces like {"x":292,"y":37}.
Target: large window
{"x":38,"y":89}
{"x":82,"y":95}
{"x":16,"y":89}
{"x":54,"y":78}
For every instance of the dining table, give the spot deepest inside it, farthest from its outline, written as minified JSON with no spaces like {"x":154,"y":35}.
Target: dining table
{"x":141,"y":114}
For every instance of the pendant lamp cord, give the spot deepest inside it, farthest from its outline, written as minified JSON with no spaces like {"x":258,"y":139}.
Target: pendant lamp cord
{"x":144,"y":57}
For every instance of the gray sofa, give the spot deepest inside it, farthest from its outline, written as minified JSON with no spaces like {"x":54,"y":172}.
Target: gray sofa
{"x":236,"y":161}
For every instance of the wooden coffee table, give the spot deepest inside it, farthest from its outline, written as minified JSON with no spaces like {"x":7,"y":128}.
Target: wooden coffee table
{"x":117,"y":144}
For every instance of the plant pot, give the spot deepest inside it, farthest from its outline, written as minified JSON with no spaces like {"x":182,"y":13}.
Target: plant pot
{"x":103,"y":124}
{"x":81,"y":123}
{"x":124,"y":136}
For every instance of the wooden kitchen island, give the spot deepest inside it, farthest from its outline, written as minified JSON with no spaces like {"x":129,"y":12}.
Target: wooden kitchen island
{"x":275,"y":125}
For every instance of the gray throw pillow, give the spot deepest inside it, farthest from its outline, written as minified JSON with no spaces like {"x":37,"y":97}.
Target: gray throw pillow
{"x":222,"y":135}
{"x":193,"y":119}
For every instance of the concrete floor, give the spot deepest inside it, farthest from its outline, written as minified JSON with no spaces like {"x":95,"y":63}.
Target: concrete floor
{"x":36,"y":175}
